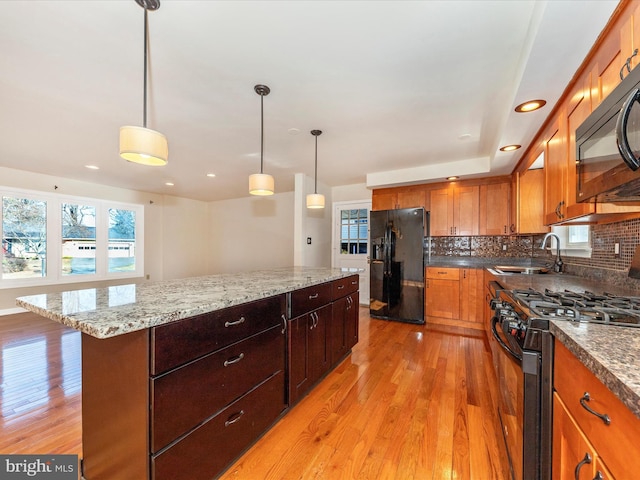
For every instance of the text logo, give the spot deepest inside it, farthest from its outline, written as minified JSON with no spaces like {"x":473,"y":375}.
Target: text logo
{"x":39,"y":467}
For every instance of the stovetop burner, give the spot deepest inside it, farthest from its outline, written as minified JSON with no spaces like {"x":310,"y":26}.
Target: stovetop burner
{"x":580,"y":307}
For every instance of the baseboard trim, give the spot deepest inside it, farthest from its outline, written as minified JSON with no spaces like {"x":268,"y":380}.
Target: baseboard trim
{"x":12,"y":311}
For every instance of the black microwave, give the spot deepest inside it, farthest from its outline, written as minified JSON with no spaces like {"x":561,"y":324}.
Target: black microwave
{"x":608,"y":147}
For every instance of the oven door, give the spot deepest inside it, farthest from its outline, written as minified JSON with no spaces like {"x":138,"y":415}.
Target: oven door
{"x":517,"y":372}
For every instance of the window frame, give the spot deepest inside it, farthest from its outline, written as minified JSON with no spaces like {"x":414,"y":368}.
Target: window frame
{"x":54,"y":239}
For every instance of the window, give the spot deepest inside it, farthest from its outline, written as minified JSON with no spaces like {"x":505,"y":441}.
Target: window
{"x":354,"y":226}
{"x":575,"y":240}
{"x":48,"y":238}
{"x":24,"y":237}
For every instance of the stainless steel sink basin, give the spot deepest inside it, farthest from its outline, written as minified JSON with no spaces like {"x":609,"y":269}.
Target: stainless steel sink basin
{"x":502,"y":269}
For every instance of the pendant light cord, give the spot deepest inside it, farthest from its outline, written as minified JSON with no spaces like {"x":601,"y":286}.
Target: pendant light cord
{"x":315,"y":188}
{"x":261,"y":131}
{"x":144,"y":94}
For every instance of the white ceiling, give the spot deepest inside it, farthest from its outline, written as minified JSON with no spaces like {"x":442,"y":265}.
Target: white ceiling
{"x":392,"y":84}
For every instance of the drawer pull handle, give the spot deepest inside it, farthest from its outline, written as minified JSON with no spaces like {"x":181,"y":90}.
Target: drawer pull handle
{"x":233,"y":360}
{"x":233,"y":324}
{"x":234,"y":418}
{"x":581,"y":463}
{"x":340,"y":287}
{"x":354,"y":282}
{"x":602,"y":416}
{"x":284,"y":324}
{"x":315,"y":295}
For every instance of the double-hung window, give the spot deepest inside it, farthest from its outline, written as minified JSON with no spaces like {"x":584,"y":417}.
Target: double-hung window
{"x":49,"y":239}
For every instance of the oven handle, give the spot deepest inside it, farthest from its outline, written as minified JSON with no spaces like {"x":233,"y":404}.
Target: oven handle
{"x":621,"y":131}
{"x":494,"y":330}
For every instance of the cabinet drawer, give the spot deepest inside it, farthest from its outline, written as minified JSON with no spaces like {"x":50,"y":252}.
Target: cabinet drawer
{"x":443,"y":273}
{"x":310,"y":298}
{"x":617,"y":443}
{"x":179,"y":342}
{"x":345,"y":286}
{"x":184,"y":397}
{"x":211,"y":447}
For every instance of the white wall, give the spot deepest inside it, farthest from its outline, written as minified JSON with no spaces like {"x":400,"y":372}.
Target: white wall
{"x":251,"y":233}
{"x":167,"y":219}
{"x":311,"y":223}
{"x":346,"y":193}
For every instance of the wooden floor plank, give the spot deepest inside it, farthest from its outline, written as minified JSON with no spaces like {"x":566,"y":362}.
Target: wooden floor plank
{"x":410,"y":402}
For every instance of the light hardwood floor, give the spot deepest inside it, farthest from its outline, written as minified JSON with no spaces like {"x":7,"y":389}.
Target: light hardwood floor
{"x":410,"y":402}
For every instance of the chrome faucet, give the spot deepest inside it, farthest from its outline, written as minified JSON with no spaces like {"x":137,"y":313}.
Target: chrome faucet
{"x":558,"y":264}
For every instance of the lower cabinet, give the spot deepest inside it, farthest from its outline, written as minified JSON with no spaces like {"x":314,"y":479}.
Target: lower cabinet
{"x":185,"y":399}
{"x":323,"y":334}
{"x":455,"y":294}
{"x":594,"y":434}
{"x":308,"y":350}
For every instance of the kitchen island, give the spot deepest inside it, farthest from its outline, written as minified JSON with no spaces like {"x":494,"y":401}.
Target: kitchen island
{"x":180,"y":377}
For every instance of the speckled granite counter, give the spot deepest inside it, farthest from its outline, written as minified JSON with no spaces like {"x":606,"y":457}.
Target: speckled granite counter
{"x":611,"y":353}
{"x":110,"y":311}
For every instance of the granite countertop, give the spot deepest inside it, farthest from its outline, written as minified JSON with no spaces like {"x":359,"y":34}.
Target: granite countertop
{"x":110,"y":311}
{"x":610,"y":352}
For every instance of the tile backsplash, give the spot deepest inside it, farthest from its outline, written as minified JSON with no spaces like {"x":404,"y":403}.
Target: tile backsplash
{"x":604,"y":264}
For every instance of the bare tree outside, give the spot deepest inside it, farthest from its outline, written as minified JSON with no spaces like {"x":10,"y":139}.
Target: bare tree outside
{"x":24,"y":237}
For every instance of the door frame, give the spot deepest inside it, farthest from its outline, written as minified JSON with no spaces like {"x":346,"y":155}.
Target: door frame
{"x":337,"y":207}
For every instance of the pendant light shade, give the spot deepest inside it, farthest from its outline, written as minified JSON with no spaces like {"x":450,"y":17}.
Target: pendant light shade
{"x":141,"y":144}
{"x":261,"y":183}
{"x":315,"y":199}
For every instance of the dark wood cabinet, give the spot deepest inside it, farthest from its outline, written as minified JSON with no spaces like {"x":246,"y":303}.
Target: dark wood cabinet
{"x":308,"y":346}
{"x":344,"y":327}
{"x":308,"y":351}
{"x":183,"y":400}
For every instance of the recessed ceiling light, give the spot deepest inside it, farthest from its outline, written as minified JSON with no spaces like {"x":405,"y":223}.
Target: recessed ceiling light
{"x":92,"y":167}
{"x":530,"y":106}
{"x":211,"y":175}
{"x":169,"y":184}
{"x":510,"y":148}
{"x":465,"y":136}
{"x":452,"y":178}
{"x":293,"y":131}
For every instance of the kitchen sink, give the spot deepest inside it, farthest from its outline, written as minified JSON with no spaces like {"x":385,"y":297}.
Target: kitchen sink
{"x":504,"y":269}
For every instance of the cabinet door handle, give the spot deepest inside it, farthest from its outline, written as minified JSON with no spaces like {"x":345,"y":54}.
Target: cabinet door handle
{"x":581,"y":463}
{"x":234,"y":418}
{"x":233,"y":360}
{"x":464,"y":274}
{"x":233,"y":324}
{"x":505,"y":229}
{"x":284,"y":323}
{"x":311,"y":297}
{"x":602,"y":416}
{"x":598,"y":476}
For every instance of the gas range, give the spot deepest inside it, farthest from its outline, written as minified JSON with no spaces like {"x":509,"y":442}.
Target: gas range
{"x":524,"y":313}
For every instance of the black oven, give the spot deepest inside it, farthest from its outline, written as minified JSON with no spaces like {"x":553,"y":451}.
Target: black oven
{"x":608,"y":146}
{"x":523,"y":360}
{"x":522,"y":349}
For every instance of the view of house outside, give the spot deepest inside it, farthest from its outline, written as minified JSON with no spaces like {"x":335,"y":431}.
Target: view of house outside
{"x":354,"y":225}
{"x":24,"y":239}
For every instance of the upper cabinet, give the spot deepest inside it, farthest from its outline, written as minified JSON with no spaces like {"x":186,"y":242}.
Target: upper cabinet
{"x":399,"y":197}
{"x":528,"y":188}
{"x":454,"y":211}
{"x":494,"y":209}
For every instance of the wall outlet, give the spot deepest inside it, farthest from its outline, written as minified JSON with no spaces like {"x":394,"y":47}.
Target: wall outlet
{"x":616,"y":249}
{"x":308,"y":240}
{"x":504,"y":247}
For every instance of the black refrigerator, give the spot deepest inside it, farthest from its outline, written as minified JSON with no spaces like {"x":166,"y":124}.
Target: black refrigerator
{"x":397,"y":264}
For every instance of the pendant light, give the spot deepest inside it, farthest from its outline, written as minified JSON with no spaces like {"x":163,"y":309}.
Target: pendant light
{"x":141,"y":144}
{"x":315,"y":199}
{"x":261,"y":183}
